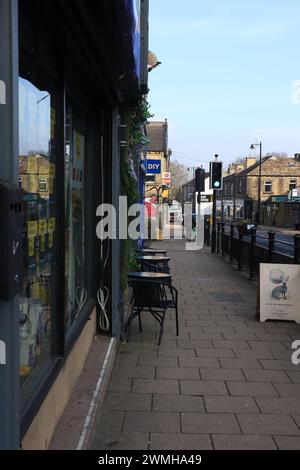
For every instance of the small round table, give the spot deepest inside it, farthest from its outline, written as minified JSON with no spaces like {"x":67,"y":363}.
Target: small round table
{"x":151,"y":251}
{"x":154,"y":263}
{"x":149,"y":275}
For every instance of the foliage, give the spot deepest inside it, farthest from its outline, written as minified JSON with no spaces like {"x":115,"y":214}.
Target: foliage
{"x":179,"y":176}
{"x":134,"y":118}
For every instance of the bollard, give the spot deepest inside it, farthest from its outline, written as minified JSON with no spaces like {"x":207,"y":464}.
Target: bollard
{"x":240,"y":251}
{"x":231,"y":242}
{"x":271,"y":245}
{"x":252,"y":252}
{"x":222,"y":239}
{"x":297,"y":248}
{"x":218,"y":236}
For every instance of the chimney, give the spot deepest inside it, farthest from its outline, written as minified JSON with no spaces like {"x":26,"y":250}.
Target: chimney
{"x":249,"y":161}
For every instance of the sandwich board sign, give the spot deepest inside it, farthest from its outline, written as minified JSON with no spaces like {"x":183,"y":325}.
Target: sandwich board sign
{"x":279,"y":292}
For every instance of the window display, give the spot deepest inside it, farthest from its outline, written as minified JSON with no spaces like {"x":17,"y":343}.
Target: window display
{"x":36,"y":177}
{"x":76,"y":292}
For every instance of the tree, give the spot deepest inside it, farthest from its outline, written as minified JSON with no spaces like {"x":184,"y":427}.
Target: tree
{"x":179,"y":176}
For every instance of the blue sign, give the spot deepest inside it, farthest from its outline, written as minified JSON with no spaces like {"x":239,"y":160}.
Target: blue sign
{"x":153,"y":166}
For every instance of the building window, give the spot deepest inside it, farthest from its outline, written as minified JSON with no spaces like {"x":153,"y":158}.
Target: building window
{"x":150,"y":178}
{"x":231,"y":189}
{"x":268,"y":187}
{"x":42,"y":185}
{"x":292,"y":184}
{"x":240,"y":186}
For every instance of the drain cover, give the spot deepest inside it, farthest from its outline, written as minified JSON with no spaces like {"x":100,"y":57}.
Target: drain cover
{"x":226,"y":297}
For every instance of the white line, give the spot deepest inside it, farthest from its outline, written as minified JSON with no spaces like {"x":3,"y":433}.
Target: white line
{"x":92,"y":410}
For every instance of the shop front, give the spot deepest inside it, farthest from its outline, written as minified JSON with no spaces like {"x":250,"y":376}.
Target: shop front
{"x":61,"y":64}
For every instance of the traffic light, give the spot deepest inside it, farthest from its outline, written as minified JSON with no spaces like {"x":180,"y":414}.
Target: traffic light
{"x":199,"y":180}
{"x":216,"y":181}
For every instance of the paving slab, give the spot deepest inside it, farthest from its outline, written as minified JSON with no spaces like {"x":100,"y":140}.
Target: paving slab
{"x":226,"y":382}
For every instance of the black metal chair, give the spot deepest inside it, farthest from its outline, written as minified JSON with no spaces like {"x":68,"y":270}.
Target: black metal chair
{"x":155,"y":297}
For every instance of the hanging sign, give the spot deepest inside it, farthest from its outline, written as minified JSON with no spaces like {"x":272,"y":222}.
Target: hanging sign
{"x":153,"y":166}
{"x":166,"y":177}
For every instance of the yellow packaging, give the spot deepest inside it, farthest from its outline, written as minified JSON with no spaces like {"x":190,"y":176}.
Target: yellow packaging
{"x":30,"y":245}
{"x":50,"y":240}
{"x":42,"y":226}
{"x":51,"y":224}
{"x":32,"y":228}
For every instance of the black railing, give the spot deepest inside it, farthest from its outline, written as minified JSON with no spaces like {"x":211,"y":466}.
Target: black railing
{"x":247,"y":249}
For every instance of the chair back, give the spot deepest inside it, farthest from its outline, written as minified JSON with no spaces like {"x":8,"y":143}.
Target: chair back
{"x":147,"y":293}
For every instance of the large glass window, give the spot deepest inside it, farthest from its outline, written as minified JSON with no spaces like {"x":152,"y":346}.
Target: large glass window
{"x":75,"y":274}
{"x":37,"y":170}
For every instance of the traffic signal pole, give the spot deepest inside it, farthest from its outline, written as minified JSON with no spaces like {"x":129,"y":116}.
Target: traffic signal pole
{"x":215,"y":185}
{"x":214,"y":223}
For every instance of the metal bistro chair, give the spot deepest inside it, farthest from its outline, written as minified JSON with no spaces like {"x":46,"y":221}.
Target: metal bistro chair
{"x":153,"y":293}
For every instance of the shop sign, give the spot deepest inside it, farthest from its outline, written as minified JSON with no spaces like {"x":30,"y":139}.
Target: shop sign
{"x":166,"y":177}
{"x":153,"y":166}
{"x":279,"y":292}
{"x":205,"y":198}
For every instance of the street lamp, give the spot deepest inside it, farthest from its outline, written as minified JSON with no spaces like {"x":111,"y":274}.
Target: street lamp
{"x":252,"y":147}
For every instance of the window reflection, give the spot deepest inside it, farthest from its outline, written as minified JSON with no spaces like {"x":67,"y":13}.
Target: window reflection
{"x":76,"y":292}
{"x":36,"y":178}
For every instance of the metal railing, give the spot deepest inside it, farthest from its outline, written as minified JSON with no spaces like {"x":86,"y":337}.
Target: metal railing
{"x":248,"y":249}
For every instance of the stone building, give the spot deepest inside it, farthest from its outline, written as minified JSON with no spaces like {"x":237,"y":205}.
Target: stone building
{"x":244,"y":182}
{"x":158,"y":157}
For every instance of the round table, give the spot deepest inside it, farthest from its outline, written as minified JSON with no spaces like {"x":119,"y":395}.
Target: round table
{"x":154,"y":263}
{"x":149,"y":275}
{"x":151,"y":251}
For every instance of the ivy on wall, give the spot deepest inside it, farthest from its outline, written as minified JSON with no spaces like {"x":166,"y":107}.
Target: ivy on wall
{"x":134,"y":118}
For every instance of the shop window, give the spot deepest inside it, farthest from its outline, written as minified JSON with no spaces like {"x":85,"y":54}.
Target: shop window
{"x":292,"y":184}
{"x":268,"y":187}
{"x":75,"y":256}
{"x":36,"y":157}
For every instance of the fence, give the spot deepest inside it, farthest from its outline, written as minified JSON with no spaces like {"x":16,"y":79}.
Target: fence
{"x":249,"y":249}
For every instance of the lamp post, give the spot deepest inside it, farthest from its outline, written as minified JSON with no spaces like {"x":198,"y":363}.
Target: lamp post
{"x":259,"y":181}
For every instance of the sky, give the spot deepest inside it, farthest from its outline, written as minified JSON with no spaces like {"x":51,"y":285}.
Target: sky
{"x":227,"y":76}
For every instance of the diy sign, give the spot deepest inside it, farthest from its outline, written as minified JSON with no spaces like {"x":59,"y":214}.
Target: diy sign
{"x":279,"y":292}
{"x":153,"y":166}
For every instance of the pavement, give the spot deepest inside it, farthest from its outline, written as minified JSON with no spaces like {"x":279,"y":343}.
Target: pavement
{"x":226,"y":382}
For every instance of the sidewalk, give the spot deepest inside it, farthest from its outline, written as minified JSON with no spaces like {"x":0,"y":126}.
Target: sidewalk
{"x":227,"y":382}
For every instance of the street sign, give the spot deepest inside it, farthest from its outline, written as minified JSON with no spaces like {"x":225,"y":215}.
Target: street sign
{"x":153,"y":167}
{"x":279,"y":292}
{"x":166,"y":177}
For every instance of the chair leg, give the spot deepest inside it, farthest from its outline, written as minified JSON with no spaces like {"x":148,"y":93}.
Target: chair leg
{"x":161,"y":328}
{"x":176,"y":316}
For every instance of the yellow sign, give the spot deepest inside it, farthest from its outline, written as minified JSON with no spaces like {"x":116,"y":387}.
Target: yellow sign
{"x":42,"y":226}
{"x":32,"y":228}
{"x":30,"y":249}
{"x":51,"y":224}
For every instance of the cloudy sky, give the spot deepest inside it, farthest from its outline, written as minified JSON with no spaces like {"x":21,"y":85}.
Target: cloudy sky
{"x":227,"y":76}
